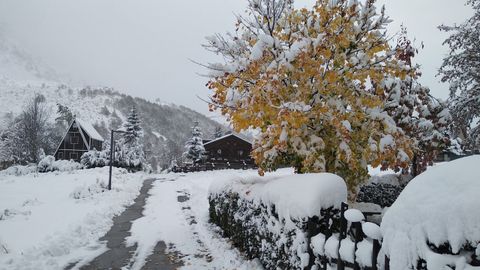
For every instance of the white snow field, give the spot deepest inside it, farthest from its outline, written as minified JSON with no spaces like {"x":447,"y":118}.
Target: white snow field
{"x":50,"y":220}
{"x":184,"y":225}
{"x":439,"y":206}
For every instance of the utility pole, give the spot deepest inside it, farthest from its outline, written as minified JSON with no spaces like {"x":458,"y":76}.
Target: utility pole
{"x":112,"y":146}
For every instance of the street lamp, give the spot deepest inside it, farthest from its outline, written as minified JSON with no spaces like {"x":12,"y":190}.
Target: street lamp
{"x":112,"y":146}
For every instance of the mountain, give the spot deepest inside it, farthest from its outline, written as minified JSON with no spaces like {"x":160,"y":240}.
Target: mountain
{"x":166,"y":126}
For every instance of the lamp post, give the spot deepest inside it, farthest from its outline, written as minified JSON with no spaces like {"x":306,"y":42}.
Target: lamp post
{"x":112,"y":146}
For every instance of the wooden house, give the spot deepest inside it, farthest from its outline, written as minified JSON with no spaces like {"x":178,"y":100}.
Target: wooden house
{"x":231,"y":150}
{"x":81,"y":137}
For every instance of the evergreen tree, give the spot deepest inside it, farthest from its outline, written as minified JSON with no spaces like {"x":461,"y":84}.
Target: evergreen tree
{"x":133,"y":128}
{"x":218,"y":132}
{"x":194,"y":146}
{"x":461,"y":68}
{"x":65,"y":116}
{"x":129,"y":152}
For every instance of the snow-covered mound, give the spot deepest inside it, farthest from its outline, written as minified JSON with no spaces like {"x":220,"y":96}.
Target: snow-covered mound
{"x":294,"y":196}
{"x":440,"y":207}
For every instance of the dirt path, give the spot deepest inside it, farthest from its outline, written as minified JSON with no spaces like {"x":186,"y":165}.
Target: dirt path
{"x":118,"y":254}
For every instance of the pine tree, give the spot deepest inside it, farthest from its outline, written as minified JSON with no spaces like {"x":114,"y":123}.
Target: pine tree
{"x":310,"y":80}
{"x":421,"y":116}
{"x":133,"y":128}
{"x":460,"y":68}
{"x":194,"y":146}
{"x":129,"y":152}
{"x":218,"y":132}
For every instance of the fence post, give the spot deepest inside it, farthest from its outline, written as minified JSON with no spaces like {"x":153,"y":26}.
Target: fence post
{"x":376,"y":250}
{"x":358,"y":238}
{"x":343,"y":235}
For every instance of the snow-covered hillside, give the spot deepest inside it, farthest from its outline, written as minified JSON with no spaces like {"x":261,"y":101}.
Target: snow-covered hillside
{"x":166,"y":126}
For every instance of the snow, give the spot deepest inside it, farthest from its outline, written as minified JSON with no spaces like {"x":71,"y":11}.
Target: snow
{"x":372,"y":230}
{"x":363,"y":254}
{"x":347,"y":250}
{"x":89,"y":129}
{"x":331,"y":247}
{"x":354,"y":215}
{"x":439,"y":206}
{"x":226,"y":136}
{"x":50,"y":220}
{"x":295,"y":196}
{"x":386,"y":142}
{"x":318,"y":244}
{"x":185,"y":226}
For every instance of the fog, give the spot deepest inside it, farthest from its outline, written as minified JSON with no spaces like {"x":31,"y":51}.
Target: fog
{"x":143,"y":47}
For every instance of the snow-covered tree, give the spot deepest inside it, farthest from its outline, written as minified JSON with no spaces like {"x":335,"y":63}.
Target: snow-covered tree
{"x":194,"y":146}
{"x":218,"y":132}
{"x":310,"y":80}
{"x":461,"y":68}
{"x":421,"y":116}
{"x":130,"y":152}
{"x":132,"y":127}
{"x":94,"y":158}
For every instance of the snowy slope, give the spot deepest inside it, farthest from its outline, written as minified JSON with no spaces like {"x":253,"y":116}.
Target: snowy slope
{"x":50,"y":220}
{"x":167,"y":126}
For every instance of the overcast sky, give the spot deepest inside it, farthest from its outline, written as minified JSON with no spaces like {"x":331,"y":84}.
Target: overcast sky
{"x":143,"y":47}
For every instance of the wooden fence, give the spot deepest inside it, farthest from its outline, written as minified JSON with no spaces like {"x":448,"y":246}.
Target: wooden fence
{"x":346,"y":233}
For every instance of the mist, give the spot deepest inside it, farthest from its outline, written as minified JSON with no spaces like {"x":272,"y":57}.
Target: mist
{"x":144,"y":47}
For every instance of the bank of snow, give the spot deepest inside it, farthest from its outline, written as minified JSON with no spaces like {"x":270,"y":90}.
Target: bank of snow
{"x":50,"y":220}
{"x":440,"y":206}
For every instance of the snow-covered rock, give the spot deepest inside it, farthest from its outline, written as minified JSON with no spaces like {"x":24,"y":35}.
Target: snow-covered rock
{"x":440,"y":206}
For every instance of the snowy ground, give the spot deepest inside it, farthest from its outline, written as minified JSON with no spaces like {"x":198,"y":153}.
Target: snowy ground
{"x":177,"y":213}
{"x":50,"y":220}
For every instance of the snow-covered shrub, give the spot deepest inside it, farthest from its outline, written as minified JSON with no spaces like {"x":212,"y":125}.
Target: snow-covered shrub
{"x":435,"y":222}
{"x":83,"y":192}
{"x":49,"y":164}
{"x":272,"y":218}
{"x":46,"y":164}
{"x":94,"y":159}
{"x":20,"y":170}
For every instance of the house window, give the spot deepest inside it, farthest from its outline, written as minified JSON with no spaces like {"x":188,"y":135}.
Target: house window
{"x":60,"y":155}
{"x":74,"y":140}
{"x":74,"y":155}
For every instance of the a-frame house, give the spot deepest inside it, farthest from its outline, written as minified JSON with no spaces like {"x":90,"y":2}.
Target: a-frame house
{"x":81,"y":137}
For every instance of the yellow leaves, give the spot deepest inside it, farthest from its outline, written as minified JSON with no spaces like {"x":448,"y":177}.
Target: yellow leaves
{"x":328,"y":85}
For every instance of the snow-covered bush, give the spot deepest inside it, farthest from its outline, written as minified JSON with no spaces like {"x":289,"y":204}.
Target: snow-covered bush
{"x":435,"y":222}
{"x":49,"y":164}
{"x":94,"y":159}
{"x":19,"y":170}
{"x":83,"y":192}
{"x":272,"y":218}
{"x":46,"y":164}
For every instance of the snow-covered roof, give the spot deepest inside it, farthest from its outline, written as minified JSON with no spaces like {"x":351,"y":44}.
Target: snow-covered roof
{"x":89,"y":129}
{"x":226,"y":136}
